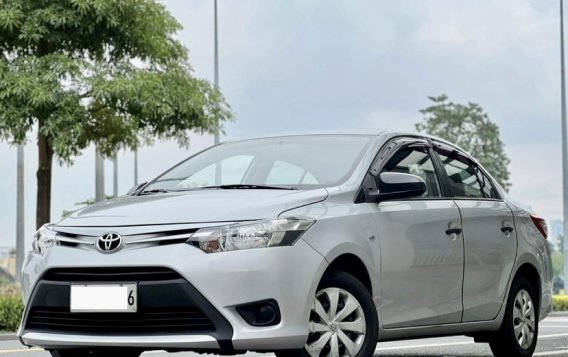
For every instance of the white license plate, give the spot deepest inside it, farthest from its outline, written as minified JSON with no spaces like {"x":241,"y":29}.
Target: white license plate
{"x":104,"y":298}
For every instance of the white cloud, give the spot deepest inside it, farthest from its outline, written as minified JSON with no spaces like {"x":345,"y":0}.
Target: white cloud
{"x":537,"y":177}
{"x":483,"y":29}
{"x":392,"y":120}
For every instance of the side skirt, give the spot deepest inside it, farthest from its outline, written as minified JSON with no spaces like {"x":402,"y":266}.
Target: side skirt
{"x":466,"y":328}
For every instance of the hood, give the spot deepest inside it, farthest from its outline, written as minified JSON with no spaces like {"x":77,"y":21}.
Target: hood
{"x":192,"y":207}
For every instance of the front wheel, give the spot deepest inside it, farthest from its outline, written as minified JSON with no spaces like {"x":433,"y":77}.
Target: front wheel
{"x":518,"y":334}
{"x":95,"y":352}
{"x":343,"y":320}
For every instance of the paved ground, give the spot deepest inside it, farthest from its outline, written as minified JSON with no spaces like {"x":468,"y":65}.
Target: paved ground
{"x":553,"y":341}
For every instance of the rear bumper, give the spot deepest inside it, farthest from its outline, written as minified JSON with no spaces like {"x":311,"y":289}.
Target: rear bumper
{"x":287,"y":275}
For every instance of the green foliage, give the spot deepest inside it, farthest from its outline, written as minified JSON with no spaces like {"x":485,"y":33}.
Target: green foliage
{"x":11,"y":308}
{"x":469,"y":127}
{"x":109,"y":72}
{"x":560,"y":302}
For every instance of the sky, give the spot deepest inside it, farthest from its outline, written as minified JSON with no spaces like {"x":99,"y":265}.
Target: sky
{"x":367,"y":65}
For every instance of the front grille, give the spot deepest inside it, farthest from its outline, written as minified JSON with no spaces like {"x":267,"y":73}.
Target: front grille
{"x":148,"y":321}
{"x":111,"y":274}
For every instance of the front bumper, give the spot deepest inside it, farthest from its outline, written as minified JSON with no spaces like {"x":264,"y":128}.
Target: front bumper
{"x":52,"y":341}
{"x":287,"y":275}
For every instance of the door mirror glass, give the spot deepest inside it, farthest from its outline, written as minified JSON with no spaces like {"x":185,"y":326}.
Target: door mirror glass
{"x":396,"y":185}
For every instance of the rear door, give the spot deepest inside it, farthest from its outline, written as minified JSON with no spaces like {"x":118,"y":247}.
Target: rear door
{"x":488,"y":231}
{"x":421,"y":245}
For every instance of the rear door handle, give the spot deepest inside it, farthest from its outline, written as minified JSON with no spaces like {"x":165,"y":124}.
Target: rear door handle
{"x":453,"y":230}
{"x":507,"y":229}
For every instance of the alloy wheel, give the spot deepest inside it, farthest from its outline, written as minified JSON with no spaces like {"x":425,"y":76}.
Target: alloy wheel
{"x":524,"y":319}
{"x":337,"y":324}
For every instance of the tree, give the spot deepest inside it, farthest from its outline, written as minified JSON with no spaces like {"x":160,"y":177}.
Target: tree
{"x":469,"y":127}
{"x":103,"y":72}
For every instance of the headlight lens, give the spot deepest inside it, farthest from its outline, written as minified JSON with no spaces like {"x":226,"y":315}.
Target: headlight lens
{"x":259,"y":234}
{"x":44,"y":239}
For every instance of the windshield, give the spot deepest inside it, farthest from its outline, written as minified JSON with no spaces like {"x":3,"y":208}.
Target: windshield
{"x":295,"y":162}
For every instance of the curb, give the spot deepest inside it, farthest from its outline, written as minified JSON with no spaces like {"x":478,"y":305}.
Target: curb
{"x":8,"y":337}
{"x":559,"y":314}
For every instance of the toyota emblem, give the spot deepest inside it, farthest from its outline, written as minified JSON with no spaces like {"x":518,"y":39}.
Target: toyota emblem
{"x":109,"y":242}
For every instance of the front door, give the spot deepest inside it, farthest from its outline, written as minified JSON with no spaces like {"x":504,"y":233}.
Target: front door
{"x":422,"y":253}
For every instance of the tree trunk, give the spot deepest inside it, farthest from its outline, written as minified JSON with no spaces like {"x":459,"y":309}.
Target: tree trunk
{"x":43,"y":202}
{"x":43,"y":208}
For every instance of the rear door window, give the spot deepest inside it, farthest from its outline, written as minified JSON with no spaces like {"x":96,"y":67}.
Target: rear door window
{"x":487,"y":186}
{"x":464,"y":178}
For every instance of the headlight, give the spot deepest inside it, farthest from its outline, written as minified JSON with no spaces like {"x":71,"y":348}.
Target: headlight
{"x":44,"y":239}
{"x":258,"y":234}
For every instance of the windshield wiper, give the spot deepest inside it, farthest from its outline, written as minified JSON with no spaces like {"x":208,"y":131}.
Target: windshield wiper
{"x":248,"y":187}
{"x":157,"y":190}
{"x":221,"y":187}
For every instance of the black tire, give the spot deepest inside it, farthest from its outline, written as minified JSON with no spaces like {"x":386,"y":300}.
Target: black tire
{"x":504,"y":342}
{"x":95,"y":352}
{"x":350,"y":284}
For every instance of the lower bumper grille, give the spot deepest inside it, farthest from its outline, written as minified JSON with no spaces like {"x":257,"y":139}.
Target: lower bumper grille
{"x":144,"y":322}
{"x":167,"y":304}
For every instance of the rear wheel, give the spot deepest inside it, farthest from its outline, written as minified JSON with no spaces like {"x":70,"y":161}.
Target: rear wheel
{"x":343,"y":320}
{"x":518,"y":334}
{"x":95,"y":352}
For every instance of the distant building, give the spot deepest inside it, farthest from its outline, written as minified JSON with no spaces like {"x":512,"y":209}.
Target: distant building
{"x":8,"y":260}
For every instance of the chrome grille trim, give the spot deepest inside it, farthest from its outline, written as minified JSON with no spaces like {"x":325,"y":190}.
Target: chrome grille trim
{"x":155,"y":238}
{"x":73,"y":240}
{"x":159,"y":239}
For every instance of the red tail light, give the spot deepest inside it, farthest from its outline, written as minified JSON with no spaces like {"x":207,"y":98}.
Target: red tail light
{"x":540,"y":223}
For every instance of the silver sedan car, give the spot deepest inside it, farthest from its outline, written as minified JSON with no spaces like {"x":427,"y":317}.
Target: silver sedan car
{"x":307,"y":245}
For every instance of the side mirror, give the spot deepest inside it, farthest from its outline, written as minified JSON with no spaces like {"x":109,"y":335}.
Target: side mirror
{"x":135,"y":189}
{"x":395,"y":185}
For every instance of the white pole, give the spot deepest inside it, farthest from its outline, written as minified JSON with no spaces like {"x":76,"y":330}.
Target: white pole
{"x":99,"y":177}
{"x":218,"y":167}
{"x":115,"y":177}
{"x":216,"y":69}
{"x":20,"y":236}
{"x":135,"y":167}
{"x":564,"y":146}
